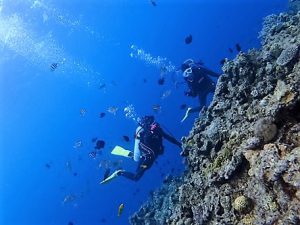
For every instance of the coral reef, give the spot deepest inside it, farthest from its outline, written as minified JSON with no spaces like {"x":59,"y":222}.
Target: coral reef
{"x":243,"y":155}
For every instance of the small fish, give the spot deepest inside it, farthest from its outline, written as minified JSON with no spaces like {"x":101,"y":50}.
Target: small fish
{"x":101,"y":115}
{"x":77,"y":144}
{"x":161,"y":81}
{"x":75,"y":174}
{"x":69,"y":166}
{"x":93,"y":154}
{"x":165,"y":94}
{"x":230,"y":50}
{"x":70,"y":223}
{"x":156,"y":108}
{"x":106,"y":173}
{"x":120,"y":209}
{"x":102,"y":85}
{"x":222,"y":61}
{"x":69,"y":198}
{"x":238,"y":47}
{"x":100,"y":144}
{"x":188,"y":40}
{"x":183,"y":106}
{"x":153,"y":2}
{"x":103,"y":220}
{"x":145,"y":80}
{"x":53,"y":67}
{"x":94,"y":139}
{"x":126,"y":138}
{"x":113,"y":110}
{"x":82,"y":112}
{"x":48,"y":165}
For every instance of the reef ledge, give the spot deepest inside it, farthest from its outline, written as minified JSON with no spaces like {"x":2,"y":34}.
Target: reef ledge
{"x":243,"y":154}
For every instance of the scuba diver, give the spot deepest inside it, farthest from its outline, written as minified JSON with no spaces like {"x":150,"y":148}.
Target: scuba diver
{"x":147,"y":147}
{"x":199,"y":83}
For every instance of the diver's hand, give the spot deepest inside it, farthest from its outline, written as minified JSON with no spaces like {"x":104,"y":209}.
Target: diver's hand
{"x":187,"y":114}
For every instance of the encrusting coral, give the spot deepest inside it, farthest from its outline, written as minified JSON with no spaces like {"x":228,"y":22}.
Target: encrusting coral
{"x":243,"y":154}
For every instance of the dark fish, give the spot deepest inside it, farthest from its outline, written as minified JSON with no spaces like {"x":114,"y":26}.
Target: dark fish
{"x":106,"y":173}
{"x":145,"y":80}
{"x":94,"y":139}
{"x":183,"y":106}
{"x":188,"y":39}
{"x":153,"y":2}
{"x":222,"y":61}
{"x":101,"y":86}
{"x":126,"y":138}
{"x":47,"y":165}
{"x":93,"y":154}
{"x":53,"y":67}
{"x":103,"y":220}
{"x":70,"y":223}
{"x":238,"y":47}
{"x":161,"y":81}
{"x":75,"y":174}
{"x":100,"y":144}
{"x":230,"y":50}
{"x":101,"y":115}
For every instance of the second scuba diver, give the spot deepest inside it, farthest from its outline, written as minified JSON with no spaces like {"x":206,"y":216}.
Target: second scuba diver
{"x":199,"y":83}
{"x":147,"y":147}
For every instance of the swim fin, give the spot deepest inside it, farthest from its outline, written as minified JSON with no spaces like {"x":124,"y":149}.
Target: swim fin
{"x":112,"y":176}
{"x":118,"y":150}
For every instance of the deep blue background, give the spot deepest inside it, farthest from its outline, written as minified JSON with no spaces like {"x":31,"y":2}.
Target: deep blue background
{"x":40,"y":110}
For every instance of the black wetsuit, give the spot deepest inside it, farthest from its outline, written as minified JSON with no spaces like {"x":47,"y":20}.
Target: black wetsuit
{"x":200,"y":84}
{"x":151,"y":145}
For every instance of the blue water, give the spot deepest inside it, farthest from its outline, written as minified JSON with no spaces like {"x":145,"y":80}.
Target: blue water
{"x":91,"y":41}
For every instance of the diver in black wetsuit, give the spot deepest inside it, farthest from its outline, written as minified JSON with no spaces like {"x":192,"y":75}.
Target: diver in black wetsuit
{"x":199,"y":83}
{"x":148,"y":146}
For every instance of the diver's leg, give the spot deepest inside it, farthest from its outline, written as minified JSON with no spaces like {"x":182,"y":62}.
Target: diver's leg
{"x":142,"y":167}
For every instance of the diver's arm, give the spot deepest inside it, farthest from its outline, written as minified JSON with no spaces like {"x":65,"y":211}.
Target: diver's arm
{"x":170,"y":138}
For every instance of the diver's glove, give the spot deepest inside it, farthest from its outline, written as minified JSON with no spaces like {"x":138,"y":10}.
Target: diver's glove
{"x":187,"y":114}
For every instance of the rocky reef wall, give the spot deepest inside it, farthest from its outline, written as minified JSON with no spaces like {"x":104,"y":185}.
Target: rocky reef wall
{"x":243,"y":154}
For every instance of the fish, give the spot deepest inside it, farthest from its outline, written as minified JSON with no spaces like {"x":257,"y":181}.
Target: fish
{"x":153,"y":2}
{"x":238,"y":47}
{"x":120,"y":209}
{"x":113,"y":110}
{"x":48,"y":165}
{"x":93,"y":154}
{"x":156,"y":108}
{"x":106,"y":173}
{"x":188,"y":40}
{"x":230,"y":50}
{"x":100,"y":144}
{"x":183,"y":106}
{"x":75,"y":174}
{"x":82,"y":112}
{"x":103,"y":220}
{"x":69,"y":198}
{"x":145,"y":80}
{"x":69,"y":166}
{"x":126,"y":138}
{"x":222,"y":61}
{"x":70,"y":223}
{"x":94,"y":139}
{"x":166,"y":94}
{"x":53,"y":67}
{"x":102,"y":114}
{"x":161,"y":81}
{"x":102,"y":85}
{"x":77,"y":144}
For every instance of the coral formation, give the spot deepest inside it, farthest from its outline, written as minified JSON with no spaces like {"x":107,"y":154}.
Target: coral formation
{"x":243,"y":155}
